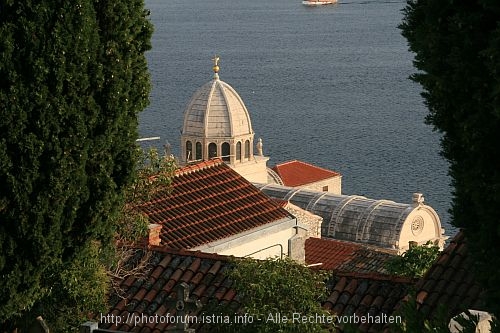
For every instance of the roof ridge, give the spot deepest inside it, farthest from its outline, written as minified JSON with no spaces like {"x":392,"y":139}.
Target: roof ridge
{"x":296,"y":173}
{"x":287,"y":162}
{"x":331,"y":241}
{"x":190,"y":253}
{"x":376,"y":276}
{"x":319,"y":167}
{"x":308,"y":164}
{"x":198,"y":166}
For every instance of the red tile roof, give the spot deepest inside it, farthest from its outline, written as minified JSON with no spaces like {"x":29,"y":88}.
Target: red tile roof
{"x":330,"y":253}
{"x":297,"y":173}
{"x":366,"y":295}
{"x":209,"y":201}
{"x":450,"y":282}
{"x":148,"y":294}
{"x":152,"y":292}
{"x":281,"y":203}
{"x":345,"y":256}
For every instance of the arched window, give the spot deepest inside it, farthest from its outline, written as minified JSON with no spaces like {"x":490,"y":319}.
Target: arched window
{"x":225,"y":152}
{"x":238,"y":151}
{"x":199,"y":151}
{"x":247,"y":149}
{"x":189,"y":151}
{"x":212,"y":150}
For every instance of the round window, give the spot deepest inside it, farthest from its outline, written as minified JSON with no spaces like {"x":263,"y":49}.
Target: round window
{"x":417,"y":225}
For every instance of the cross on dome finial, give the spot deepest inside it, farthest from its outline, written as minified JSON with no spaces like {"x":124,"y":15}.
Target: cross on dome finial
{"x":216,"y":59}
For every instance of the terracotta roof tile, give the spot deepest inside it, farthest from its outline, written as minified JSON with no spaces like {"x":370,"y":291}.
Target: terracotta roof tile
{"x":297,"y":173}
{"x":205,"y":273}
{"x":450,"y":281}
{"x":345,"y":256}
{"x":281,"y":203}
{"x":144,"y":297}
{"x":366,"y":293}
{"x":209,"y":201}
{"x":367,"y":300}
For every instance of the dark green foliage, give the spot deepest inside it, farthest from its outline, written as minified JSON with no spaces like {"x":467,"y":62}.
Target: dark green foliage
{"x":457,"y":47}
{"x":73,"y":78}
{"x":153,"y":175}
{"x":279,"y":286}
{"x":413,"y":321}
{"x":414,"y":262}
{"x":77,"y":287}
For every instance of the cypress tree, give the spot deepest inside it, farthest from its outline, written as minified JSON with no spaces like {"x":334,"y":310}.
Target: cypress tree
{"x":457,"y":47}
{"x":73,"y":78}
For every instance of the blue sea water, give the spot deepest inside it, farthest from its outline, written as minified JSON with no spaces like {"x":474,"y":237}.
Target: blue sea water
{"x":327,"y":85}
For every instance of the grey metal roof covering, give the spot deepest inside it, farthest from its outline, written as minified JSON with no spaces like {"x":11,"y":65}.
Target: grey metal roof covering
{"x":348,"y":217}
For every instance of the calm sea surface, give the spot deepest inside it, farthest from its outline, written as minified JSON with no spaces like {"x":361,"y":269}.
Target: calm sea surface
{"x":326,"y":85}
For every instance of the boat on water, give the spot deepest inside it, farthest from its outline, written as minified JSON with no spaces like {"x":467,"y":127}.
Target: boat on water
{"x":318,"y":2}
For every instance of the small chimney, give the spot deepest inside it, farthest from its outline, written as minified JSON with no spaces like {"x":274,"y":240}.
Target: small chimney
{"x":154,"y":231}
{"x":297,"y":245}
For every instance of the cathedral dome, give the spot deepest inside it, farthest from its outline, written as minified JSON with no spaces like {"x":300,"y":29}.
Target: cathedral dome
{"x":216,"y":111}
{"x":217,"y":125}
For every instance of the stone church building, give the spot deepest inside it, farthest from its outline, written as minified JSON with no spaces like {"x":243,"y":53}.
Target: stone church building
{"x":217,"y":124}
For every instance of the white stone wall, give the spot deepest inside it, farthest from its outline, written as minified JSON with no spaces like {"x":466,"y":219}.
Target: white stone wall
{"x":267,"y":246}
{"x":421,"y":225}
{"x":309,"y":220}
{"x":334,"y":185}
{"x":254,"y":171}
{"x":263,"y":242}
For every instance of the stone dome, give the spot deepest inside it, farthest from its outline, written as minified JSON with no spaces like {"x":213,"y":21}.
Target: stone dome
{"x":216,"y":111}
{"x":217,"y":125}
